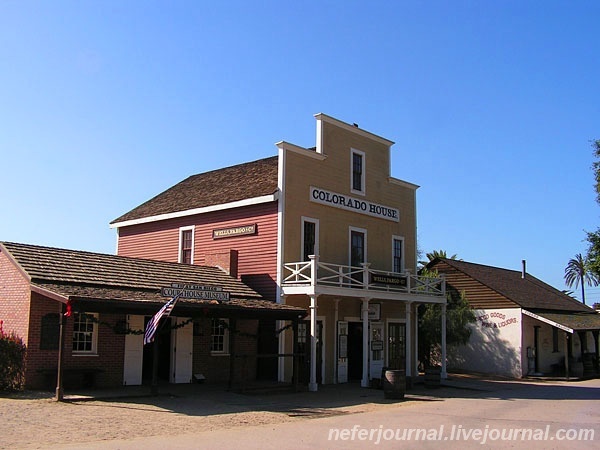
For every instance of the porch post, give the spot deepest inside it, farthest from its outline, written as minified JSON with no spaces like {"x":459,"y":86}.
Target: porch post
{"x":295,"y":354}
{"x":595,"y":335}
{"x":336,"y":316}
{"x":312,"y":385}
{"x":365,"y":320}
{"x":416,"y":346}
{"x":408,"y":345}
{"x":567,"y":337}
{"x":280,"y":360}
{"x":59,"y":397}
{"x":444,"y":373}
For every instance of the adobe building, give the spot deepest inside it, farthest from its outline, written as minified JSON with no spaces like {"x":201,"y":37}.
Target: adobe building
{"x":108,"y":300}
{"x":524,"y":327}
{"x":326,"y":228}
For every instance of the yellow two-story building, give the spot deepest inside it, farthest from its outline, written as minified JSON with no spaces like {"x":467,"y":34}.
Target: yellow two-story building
{"x":347,"y":251}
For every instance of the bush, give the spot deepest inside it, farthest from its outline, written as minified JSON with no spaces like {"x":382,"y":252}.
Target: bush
{"x":12,"y":361}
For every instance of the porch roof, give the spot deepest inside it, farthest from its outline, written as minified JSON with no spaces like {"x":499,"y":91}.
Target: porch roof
{"x":568,"y":321}
{"x":97,"y":282}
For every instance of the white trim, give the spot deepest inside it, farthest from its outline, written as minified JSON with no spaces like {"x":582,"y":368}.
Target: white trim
{"x":316,"y":222}
{"x":403,"y":259}
{"x":363,"y":173}
{"x":353,"y":129}
{"x":283,"y":145}
{"x":191,"y":228}
{"x":191,"y":212}
{"x":358,"y":230}
{"x":548,"y":321}
{"x":319,"y":141}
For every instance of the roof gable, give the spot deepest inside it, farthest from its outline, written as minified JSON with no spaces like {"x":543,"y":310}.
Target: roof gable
{"x":510,"y":286}
{"x":227,"y":185}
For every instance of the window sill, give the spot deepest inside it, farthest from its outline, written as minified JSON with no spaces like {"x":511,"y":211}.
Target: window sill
{"x":219,"y":354}
{"x":78,"y":354}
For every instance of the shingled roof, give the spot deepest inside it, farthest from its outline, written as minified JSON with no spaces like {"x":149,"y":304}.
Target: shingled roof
{"x":230,"y":184}
{"x":103,"y":278}
{"x":528,"y":292}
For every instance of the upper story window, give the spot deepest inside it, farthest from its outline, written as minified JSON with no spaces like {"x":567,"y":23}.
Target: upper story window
{"x":85,"y":333}
{"x":397,"y":254}
{"x":186,"y":245}
{"x":358,"y":172}
{"x":310,"y":238}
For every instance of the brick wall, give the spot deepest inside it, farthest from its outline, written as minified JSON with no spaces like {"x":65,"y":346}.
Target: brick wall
{"x":15,"y":297}
{"x":216,"y":367}
{"x":109,"y":356}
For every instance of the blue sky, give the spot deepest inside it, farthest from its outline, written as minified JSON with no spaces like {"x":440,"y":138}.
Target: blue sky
{"x":492,"y":106}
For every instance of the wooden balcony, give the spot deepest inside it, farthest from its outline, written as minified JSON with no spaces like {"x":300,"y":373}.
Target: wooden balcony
{"x":316,"y":277}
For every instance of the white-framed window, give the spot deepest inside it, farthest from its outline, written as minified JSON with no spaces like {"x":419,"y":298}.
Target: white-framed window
{"x":310,"y":237}
{"x":357,"y":172}
{"x":397,"y":254}
{"x":219,"y":336}
{"x":186,"y":245}
{"x":85,"y":333}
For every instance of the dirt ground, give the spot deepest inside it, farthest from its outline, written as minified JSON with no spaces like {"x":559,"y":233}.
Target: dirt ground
{"x":35,"y":420}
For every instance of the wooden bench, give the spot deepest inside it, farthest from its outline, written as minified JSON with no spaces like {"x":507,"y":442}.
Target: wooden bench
{"x":82,"y":376}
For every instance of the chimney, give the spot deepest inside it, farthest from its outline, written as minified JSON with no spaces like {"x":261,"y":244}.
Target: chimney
{"x":226,"y":260}
{"x":524,"y":270}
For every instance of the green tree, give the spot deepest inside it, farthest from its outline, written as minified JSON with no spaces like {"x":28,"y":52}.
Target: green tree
{"x":436,"y":254}
{"x":593,"y":237}
{"x":459,"y":315}
{"x":578,"y":272}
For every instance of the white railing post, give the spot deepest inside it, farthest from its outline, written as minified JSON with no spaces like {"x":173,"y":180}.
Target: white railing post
{"x":407,"y":281}
{"x":366,"y":274}
{"x":314,"y":261}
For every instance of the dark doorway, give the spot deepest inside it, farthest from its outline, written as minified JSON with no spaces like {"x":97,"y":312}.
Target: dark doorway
{"x":397,"y":345}
{"x":268,"y":344}
{"x":355,"y":351}
{"x":304,"y":351}
{"x":163,"y":337}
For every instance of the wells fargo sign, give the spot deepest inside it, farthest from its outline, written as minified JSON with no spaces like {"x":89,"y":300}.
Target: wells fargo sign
{"x":318,"y":195}
{"x":241,"y":230}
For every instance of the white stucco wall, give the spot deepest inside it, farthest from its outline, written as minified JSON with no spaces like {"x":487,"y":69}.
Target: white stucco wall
{"x":494,"y":346}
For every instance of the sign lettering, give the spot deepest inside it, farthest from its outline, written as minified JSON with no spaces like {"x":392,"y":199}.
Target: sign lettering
{"x":353,"y":204}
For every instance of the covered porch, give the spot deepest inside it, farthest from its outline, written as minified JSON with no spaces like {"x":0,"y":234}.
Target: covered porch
{"x":577,"y":328}
{"x":380,"y":302}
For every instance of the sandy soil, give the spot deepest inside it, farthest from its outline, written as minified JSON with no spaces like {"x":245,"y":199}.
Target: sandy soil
{"x":35,"y":420}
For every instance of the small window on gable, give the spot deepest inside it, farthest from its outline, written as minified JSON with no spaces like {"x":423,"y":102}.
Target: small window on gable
{"x":358,"y":172}
{"x":186,"y":245}
{"x":49,"y":332}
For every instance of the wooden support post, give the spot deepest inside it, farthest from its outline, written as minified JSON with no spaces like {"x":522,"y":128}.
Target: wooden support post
{"x":232,"y":331}
{"x":567,"y":337}
{"x":295,"y":354}
{"x":155,"y":354}
{"x":61,"y":343}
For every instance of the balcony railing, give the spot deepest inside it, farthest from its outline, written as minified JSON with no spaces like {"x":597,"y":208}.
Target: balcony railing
{"x":316,"y":273}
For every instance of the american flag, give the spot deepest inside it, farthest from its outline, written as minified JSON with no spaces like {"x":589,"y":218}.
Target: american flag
{"x":153,"y":324}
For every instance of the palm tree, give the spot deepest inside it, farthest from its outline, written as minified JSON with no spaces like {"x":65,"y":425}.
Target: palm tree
{"x":578,"y":272}
{"x":436,"y":254}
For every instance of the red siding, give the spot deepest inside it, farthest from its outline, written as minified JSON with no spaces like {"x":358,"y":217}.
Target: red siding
{"x":257,"y":254}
